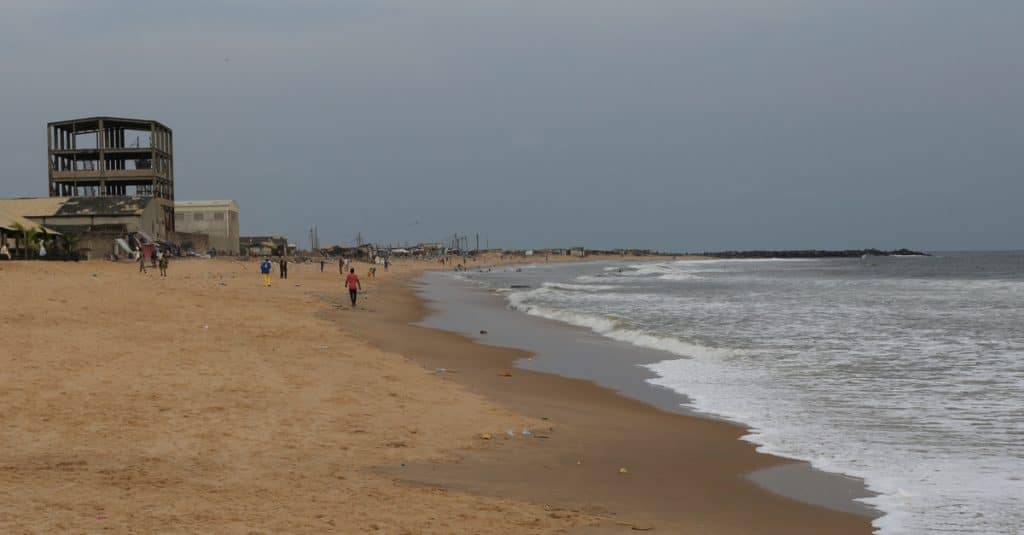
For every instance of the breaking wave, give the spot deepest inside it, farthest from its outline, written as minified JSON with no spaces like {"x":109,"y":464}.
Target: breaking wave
{"x":618,"y":330}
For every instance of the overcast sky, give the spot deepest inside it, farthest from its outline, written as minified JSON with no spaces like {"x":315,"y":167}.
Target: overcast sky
{"x":669,"y":124}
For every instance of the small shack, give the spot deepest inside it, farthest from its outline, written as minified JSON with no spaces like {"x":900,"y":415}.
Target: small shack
{"x":12,"y":232}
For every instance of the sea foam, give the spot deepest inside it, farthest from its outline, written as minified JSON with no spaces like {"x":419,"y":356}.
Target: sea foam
{"x":908,"y":374}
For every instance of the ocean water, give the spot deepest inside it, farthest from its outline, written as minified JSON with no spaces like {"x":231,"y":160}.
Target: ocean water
{"x":907,"y":372}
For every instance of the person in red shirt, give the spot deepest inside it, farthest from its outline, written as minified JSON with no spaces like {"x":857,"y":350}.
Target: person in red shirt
{"x":353,"y":285}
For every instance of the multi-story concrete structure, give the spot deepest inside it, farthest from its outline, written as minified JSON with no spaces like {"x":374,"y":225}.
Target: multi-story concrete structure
{"x":216,"y":219}
{"x":113,"y":157}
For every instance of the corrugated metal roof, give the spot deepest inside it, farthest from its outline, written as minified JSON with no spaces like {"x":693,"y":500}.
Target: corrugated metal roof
{"x":33,"y":206}
{"x":103,"y":206}
{"x":11,"y":223}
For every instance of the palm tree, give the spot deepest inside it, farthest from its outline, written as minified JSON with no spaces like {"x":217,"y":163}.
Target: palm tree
{"x":29,"y":237}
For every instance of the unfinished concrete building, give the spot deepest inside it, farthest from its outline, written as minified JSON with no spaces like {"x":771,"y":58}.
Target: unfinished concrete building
{"x":113,"y":157}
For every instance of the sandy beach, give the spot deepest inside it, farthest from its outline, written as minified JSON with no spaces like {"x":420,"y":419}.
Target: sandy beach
{"x":206,"y":403}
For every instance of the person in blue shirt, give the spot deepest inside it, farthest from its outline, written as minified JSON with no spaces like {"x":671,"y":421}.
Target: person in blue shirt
{"x":265,"y":268}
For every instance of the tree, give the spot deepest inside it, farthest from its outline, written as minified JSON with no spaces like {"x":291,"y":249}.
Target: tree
{"x":69,"y":242}
{"x":29,"y":238}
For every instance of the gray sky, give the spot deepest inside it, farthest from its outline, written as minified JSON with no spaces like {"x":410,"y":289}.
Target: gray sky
{"x":671,"y":124}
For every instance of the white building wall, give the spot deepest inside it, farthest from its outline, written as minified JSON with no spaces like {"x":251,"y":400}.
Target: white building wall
{"x":218,"y":221}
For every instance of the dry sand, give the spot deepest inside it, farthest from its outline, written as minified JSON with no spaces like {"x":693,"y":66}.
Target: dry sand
{"x":206,"y":403}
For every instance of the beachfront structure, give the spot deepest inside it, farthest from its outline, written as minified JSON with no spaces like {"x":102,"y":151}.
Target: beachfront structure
{"x":97,"y":221}
{"x":11,"y":224}
{"x":12,"y":232}
{"x":216,"y":219}
{"x":73,"y":214}
{"x":113,"y":157}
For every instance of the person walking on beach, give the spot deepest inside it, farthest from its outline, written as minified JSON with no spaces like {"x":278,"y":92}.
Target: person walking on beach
{"x":164,"y":260}
{"x":284,"y":268}
{"x":265,"y":268}
{"x":4,"y":251}
{"x":142,"y":261}
{"x":321,"y":265}
{"x":352,"y":281}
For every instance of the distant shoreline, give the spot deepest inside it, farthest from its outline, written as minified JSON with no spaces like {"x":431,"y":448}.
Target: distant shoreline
{"x":813,"y":253}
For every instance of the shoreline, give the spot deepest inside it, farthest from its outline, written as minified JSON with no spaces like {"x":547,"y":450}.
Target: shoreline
{"x":579,"y":353}
{"x":591,"y":433}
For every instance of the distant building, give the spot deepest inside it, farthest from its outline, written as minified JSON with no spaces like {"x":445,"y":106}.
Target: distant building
{"x":130,"y":214}
{"x":264,"y":245}
{"x":113,"y":157}
{"x":430,"y":249}
{"x":12,"y":227}
{"x":97,"y":220}
{"x":217,"y":219}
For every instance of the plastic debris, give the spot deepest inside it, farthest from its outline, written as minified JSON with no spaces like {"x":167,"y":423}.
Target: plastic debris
{"x":485,"y":436}
{"x":623,"y":471}
{"x":483,"y":332}
{"x":505,"y":374}
{"x":526,"y":432}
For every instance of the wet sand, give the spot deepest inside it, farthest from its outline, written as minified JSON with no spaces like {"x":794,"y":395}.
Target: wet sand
{"x":462,"y":307}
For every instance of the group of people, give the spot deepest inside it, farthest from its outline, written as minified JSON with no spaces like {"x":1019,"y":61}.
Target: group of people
{"x":352,"y":282}
{"x":266,"y":267}
{"x":160,"y":258}
{"x":5,"y":252}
